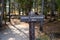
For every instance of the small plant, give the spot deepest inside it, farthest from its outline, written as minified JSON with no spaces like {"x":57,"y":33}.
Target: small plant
{"x":45,"y":37}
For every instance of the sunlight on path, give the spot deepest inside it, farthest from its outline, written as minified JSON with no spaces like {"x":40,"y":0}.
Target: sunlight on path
{"x":15,"y":32}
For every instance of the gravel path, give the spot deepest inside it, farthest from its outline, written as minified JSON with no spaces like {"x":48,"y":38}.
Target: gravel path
{"x":15,"y":32}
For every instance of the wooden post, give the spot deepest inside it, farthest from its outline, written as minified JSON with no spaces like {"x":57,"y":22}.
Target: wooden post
{"x":31,"y":31}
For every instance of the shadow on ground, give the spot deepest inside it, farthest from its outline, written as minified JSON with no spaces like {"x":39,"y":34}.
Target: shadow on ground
{"x":15,"y":32}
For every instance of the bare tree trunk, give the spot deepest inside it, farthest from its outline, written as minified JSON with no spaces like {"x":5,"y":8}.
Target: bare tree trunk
{"x":52,"y":10}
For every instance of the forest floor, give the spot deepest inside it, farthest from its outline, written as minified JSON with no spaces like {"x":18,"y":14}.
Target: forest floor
{"x":17,"y":30}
